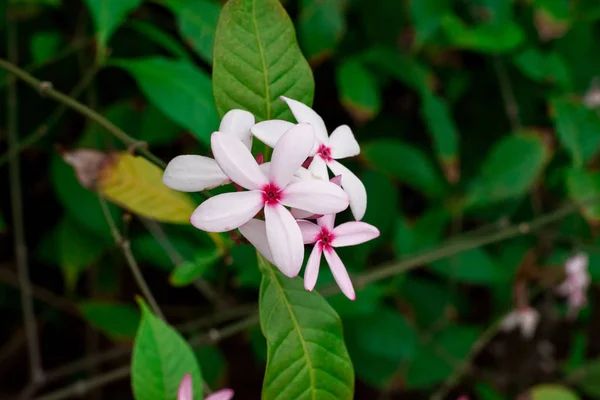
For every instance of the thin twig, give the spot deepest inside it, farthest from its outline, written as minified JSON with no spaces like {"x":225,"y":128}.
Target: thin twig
{"x":45,"y":89}
{"x":131,"y":262}
{"x":83,"y":387}
{"x":510,"y":102}
{"x":33,"y":345}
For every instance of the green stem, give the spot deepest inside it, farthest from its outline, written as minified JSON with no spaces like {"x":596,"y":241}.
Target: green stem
{"x":45,"y":89}
{"x":33,"y":345}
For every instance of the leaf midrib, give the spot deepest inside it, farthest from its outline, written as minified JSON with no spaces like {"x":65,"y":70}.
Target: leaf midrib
{"x":297,"y":329}
{"x":262,"y":61}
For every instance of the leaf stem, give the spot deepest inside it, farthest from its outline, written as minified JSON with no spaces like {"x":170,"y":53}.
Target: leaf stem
{"x":46,"y":89}
{"x":33,"y":345}
{"x":131,"y":261}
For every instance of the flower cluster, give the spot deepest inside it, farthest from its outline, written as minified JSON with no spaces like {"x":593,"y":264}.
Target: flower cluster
{"x":576,"y":283}
{"x":283,"y":182}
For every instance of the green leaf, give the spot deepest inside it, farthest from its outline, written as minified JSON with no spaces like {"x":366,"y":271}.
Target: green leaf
{"x":380,"y":187}
{"x":80,"y":203}
{"x":161,"y":358}
{"x":76,"y":249}
{"x":212,"y":364}
{"x":359,"y":91}
{"x":431,"y":363}
{"x":161,"y":38}
{"x":177,"y":88}
{"x":552,"y":392}
{"x":118,"y":321}
{"x":510,"y":169}
{"x":472,"y":266}
{"x":440,"y":124}
{"x":584,"y":187}
{"x":108,"y":15}
{"x":188,"y":272}
{"x":406,"y":163}
{"x":321,"y":25}
{"x":544,"y":67}
{"x":307,"y":358}
{"x":257,"y":60}
{"x":378,"y":343}
{"x":197,"y":22}
{"x":486,"y":38}
{"x":578,"y":129}
{"x":146,"y":249}
{"x":45,"y":45}
{"x":426,"y":16}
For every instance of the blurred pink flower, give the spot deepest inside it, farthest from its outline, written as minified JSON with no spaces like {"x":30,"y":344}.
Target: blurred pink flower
{"x":186,"y":391}
{"x":525,"y":318}
{"x":326,"y":150}
{"x":576,"y":283}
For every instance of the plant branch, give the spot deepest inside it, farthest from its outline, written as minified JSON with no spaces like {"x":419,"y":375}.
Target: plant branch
{"x":33,"y":345}
{"x":45,"y":89}
{"x":131,"y":262}
{"x":510,"y":102}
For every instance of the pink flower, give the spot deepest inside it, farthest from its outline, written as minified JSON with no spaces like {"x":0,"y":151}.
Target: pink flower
{"x":326,"y":150}
{"x":526,"y":318}
{"x":186,"y":391}
{"x":576,"y":283}
{"x":229,"y":211}
{"x":326,"y":237}
{"x":193,"y":173}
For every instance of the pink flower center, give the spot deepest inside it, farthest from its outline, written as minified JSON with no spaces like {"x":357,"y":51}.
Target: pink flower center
{"x":271,"y":194}
{"x":325,"y":152}
{"x":324,"y":238}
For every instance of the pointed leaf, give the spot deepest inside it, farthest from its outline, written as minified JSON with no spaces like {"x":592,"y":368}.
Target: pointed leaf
{"x":359,"y":91}
{"x":186,"y":273}
{"x":584,"y":187}
{"x":161,"y":358}
{"x":179,"y":89}
{"x":136,"y":184}
{"x":321,"y":25}
{"x":118,"y":321}
{"x":257,"y":60}
{"x":108,"y":15}
{"x":307,"y":358}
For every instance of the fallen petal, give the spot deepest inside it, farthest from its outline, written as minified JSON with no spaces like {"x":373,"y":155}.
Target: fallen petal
{"x":236,"y":161}
{"x":354,"y":187}
{"x":285,"y":239}
{"x":353,"y":233}
{"x":310,"y":231}
{"x":342,"y":143}
{"x":227,"y":211}
{"x":191,"y":173}
{"x":255,"y":231}
{"x":311,"y":273}
{"x":269,"y":132}
{"x":289,"y":154}
{"x":339,"y":273}
{"x":238,"y":123}
{"x":316,"y":196}
{"x":305,"y":114}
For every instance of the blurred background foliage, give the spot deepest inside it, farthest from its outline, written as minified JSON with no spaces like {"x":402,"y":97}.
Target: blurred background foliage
{"x":471,"y":115}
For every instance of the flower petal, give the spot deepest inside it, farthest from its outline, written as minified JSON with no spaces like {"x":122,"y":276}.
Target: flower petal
{"x":236,"y":161}
{"x":342,"y":143}
{"x":223,"y":394}
{"x":318,"y":168}
{"x":305,"y":114}
{"x":327,"y":221}
{"x":353,"y":233}
{"x":290,"y":152}
{"x":310,"y":231}
{"x":316,"y":196}
{"x":269,"y":132}
{"x":186,"y":391}
{"x":227,"y":211}
{"x":191,"y":173}
{"x":238,"y":123}
{"x":354,"y":187}
{"x":339,"y":273}
{"x":301,"y":214}
{"x":285,"y":239}
{"x":255,"y":231}
{"x":311,"y":272}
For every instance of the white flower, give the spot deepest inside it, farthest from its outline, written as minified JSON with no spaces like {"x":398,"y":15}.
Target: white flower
{"x":576,"y":283}
{"x":193,"y":173}
{"x":229,"y":211}
{"x":326,"y":150}
{"x":526,"y":318}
